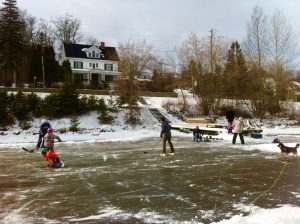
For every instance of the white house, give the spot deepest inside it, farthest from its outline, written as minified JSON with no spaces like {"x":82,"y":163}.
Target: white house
{"x":92,"y":63}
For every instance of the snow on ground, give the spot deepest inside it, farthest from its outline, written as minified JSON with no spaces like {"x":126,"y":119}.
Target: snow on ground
{"x":92,"y":131}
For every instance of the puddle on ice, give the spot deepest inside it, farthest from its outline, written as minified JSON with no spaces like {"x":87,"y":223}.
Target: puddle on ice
{"x":118,"y":182}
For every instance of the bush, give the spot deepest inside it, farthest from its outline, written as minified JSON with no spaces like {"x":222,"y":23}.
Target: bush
{"x":102,"y":110}
{"x":5,"y":116}
{"x":34,"y":104}
{"x":64,"y":103}
{"x":20,"y":107}
{"x":74,"y":124}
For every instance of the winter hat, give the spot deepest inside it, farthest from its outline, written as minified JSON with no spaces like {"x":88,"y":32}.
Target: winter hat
{"x":43,"y":149}
{"x":50,"y":130}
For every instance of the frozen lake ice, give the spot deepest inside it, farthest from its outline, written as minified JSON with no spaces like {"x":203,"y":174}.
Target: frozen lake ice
{"x":129,"y":182}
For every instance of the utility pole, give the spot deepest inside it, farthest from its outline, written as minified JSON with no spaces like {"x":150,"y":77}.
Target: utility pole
{"x":43,"y":70}
{"x":42,"y":36}
{"x":212,"y":70}
{"x":211,"y":50}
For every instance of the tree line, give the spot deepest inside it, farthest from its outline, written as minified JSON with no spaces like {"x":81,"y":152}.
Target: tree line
{"x":256,"y":72}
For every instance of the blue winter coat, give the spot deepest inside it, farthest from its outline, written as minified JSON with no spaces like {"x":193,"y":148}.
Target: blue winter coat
{"x":165,"y":129}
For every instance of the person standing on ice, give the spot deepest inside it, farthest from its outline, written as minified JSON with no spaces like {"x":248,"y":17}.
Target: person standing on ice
{"x":165,"y":134}
{"x":238,"y":130}
{"x":42,"y":132}
{"x":197,"y":137}
{"x":230,"y":118}
{"x":49,"y":139}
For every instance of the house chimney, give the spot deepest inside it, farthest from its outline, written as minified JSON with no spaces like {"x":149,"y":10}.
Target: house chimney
{"x":102,"y":45}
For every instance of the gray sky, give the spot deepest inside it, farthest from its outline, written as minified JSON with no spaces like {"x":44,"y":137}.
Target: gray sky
{"x":162,"y":23}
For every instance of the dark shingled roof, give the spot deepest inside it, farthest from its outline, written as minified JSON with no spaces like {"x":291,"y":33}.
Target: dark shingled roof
{"x":75,"y":51}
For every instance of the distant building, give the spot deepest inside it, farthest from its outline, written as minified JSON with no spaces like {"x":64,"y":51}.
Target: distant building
{"x":296,"y":90}
{"x":91,"y":63}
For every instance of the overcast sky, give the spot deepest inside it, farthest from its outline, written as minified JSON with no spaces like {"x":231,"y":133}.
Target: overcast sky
{"x":162,"y":23}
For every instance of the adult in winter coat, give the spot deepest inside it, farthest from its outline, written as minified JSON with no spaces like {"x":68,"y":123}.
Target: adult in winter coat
{"x":238,"y":130}
{"x":42,"y":132}
{"x":49,"y":139}
{"x":166,"y":135}
{"x":197,"y":137}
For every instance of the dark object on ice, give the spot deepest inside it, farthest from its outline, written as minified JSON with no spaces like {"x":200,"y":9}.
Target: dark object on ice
{"x":285,"y":149}
{"x":256,"y":135}
{"x":276,"y":140}
{"x":28,"y":150}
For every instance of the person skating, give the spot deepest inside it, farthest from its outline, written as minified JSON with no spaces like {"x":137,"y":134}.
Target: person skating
{"x":165,"y":134}
{"x":49,"y":139}
{"x":238,"y":130}
{"x":42,"y":132}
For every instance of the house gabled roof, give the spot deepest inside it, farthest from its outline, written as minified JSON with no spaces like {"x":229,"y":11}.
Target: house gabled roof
{"x":78,"y":51}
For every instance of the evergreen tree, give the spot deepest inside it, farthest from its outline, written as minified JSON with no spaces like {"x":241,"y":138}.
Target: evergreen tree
{"x":35,"y":68}
{"x":74,"y":122}
{"x":65,"y":102}
{"x":11,"y":41}
{"x":53,"y":72}
{"x":20,"y":107}
{"x":235,"y":72}
{"x":5,"y":116}
{"x":103,"y":110}
{"x":67,"y":71}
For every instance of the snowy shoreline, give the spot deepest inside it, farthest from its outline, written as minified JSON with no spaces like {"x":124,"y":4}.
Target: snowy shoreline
{"x":92,"y":131}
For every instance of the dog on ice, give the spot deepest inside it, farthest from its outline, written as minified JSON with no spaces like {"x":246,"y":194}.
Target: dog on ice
{"x":285,"y":149}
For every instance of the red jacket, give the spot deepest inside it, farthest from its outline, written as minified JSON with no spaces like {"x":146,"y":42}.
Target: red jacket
{"x":51,"y":157}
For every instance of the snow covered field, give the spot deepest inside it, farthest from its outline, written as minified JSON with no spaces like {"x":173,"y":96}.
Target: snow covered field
{"x":120,"y":147}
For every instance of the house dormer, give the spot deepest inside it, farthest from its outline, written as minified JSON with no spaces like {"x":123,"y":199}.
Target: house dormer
{"x":93,"y":52}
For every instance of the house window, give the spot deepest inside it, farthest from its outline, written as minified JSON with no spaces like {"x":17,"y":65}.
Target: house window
{"x":78,"y":64}
{"x":108,"y":67}
{"x":90,"y":65}
{"x":93,"y":54}
{"x":90,"y":54}
{"x":109,"y":78}
{"x":96,"y":65}
{"x":97,"y":55}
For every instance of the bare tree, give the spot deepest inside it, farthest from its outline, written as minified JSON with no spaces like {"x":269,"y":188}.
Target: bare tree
{"x":281,"y":49}
{"x":66,"y":29}
{"x":193,"y":48}
{"x":92,"y":40}
{"x":30,"y":26}
{"x":203,"y":51}
{"x":255,"y":43}
{"x":200,"y":60}
{"x":135,"y":59}
{"x":44,"y":35}
{"x":281,"y":41}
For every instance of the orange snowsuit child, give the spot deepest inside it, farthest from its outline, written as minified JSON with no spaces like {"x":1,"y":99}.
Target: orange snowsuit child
{"x":52,"y":158}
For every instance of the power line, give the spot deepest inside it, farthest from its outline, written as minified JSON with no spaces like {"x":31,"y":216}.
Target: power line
{"x":143,"y":28}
